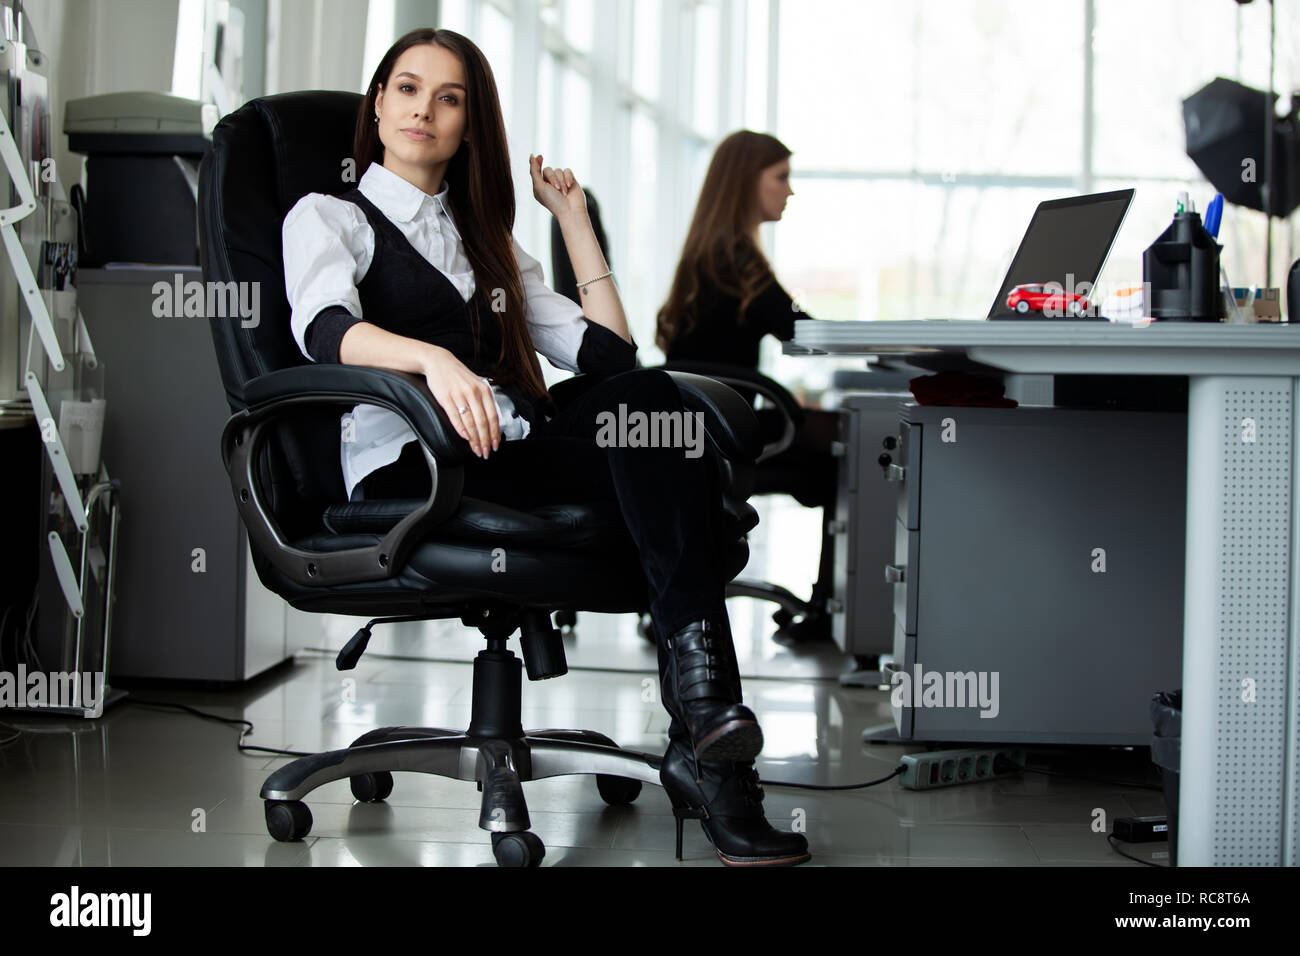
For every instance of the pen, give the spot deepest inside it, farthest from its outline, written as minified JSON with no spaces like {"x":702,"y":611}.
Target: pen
{"x":1214,"y":215}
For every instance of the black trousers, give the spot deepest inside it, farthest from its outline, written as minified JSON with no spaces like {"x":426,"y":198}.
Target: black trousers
{"x":669,"y":501}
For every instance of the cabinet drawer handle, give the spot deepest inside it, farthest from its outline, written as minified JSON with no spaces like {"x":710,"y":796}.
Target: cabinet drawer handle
{"x":838,"y":449}
{"x":895,"y":574}
{"x":836,"y":527}
{"x":835,"y":606}
{"x":894,"y":472}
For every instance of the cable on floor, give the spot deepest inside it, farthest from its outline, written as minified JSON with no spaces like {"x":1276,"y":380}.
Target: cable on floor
{"x":243,"y":747}
{"x":248,"y":748}
{"x":833,"y":786}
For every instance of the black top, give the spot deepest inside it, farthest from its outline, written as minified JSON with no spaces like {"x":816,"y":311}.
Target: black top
{"x":720,"y":336}
{"x":403,"y":293}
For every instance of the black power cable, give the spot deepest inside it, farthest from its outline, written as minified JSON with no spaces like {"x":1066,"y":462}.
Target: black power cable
{"x":834,"y":786}
{"x":243,"y":747}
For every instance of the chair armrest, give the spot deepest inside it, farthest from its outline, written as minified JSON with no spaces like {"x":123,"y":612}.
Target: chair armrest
{"x":406,"y":394}
{"x":285,"y":392}
{"x":792,"y":412}
{"x":729,"y":421}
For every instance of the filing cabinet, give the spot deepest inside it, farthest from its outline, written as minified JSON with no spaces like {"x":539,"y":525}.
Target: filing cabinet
{"x":863,"y":525}
{"x":1046,"y":546}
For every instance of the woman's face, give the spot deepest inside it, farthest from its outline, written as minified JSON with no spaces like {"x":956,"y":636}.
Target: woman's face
{"x":422,"y":110}
{"x":773,"y":190}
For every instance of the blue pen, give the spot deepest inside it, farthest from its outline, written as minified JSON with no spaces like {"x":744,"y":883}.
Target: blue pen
{"x":1214,"y":215}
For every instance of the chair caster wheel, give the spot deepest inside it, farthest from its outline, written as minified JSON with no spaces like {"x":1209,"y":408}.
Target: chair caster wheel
{"x":566,"y":619}
{"x":372,"y":787}
{"x":518,"y":849}
{"x":645,"y":626}
{"x":287,"y":820}
{"x":782,"y":617}
{"x":617,"y":791}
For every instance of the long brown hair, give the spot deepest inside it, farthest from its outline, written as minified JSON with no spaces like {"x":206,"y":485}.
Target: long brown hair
{"x":481,"y":193}
{"x":720,"y":247}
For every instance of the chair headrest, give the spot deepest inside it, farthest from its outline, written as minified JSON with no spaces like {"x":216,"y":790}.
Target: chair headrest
{"x":265,"y":156}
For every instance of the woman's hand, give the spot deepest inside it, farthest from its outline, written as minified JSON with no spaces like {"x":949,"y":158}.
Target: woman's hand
{"x":455,"y":387}
{"x":556,"y":189}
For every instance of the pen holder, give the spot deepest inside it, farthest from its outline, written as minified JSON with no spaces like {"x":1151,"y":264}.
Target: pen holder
{"x":1181,"y":269}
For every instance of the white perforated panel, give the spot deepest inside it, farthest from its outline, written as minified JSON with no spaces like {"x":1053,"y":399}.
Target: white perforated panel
{"x":1291,"y":847}
{"x":1254,"y":625}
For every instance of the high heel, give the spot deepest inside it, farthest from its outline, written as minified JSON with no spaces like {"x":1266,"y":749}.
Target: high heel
{"x":727,"y":800}
{"x":680,"y":814}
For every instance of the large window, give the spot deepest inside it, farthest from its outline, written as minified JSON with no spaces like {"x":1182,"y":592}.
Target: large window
{"x":632,"y":95}
{"x":495,"y":39}
{"x":925,"y":134}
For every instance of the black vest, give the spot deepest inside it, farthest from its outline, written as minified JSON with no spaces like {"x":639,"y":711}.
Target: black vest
{"x":403,"y":293}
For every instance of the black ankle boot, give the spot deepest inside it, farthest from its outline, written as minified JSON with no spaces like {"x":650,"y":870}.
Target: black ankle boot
{"x":728,"y":801}
{"x":700,"y":681}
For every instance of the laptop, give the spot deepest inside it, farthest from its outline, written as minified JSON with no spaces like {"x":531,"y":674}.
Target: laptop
{"x":1067,"y":243}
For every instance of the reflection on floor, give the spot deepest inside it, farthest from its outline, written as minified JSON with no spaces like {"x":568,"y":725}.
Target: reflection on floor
{"x":144,"y":787}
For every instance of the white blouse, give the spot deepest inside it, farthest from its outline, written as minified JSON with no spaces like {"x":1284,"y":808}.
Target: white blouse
{"x":328,"y":248}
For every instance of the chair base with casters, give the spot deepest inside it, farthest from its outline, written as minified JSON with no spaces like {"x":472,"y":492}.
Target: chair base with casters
{"x":494,"y":750}
{"x":789,"y":606}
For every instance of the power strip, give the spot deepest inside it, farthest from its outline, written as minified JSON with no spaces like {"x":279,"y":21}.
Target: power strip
{"x":949,"y":768}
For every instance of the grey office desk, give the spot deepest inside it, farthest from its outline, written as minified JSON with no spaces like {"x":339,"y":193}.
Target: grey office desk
{"x":1240,"y":778}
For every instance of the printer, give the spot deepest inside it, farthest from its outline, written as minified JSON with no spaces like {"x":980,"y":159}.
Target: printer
{"x":142,"y":154}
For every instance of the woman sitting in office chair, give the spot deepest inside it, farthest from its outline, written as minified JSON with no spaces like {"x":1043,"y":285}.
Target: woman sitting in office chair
{"x":724,"y":299}
{"x":416,"y":270}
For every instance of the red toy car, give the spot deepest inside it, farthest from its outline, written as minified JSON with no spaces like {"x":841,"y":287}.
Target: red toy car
{"x":1040,"y":298}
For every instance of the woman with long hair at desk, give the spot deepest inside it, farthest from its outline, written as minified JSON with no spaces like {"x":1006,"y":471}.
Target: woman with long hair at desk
{"x":417,"y":270}
{"x":724,"y":299}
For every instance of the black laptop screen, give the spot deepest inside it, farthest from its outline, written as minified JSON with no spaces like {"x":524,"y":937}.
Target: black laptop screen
{"x":1066,"y":237}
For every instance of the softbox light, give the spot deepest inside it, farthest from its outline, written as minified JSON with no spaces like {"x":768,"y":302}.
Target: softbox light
{"x":1225,"y":126}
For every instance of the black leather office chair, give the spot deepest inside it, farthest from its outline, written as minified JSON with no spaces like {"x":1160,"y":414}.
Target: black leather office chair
{"x":411,"y":560}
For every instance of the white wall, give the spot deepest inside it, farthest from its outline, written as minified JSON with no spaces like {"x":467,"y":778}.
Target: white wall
{"x":92,"y":47}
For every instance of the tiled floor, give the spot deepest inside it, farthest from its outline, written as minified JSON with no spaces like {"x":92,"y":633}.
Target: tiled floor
{"x":145,"y":787}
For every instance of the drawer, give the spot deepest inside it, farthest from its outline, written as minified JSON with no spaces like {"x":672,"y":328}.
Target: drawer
{"x":903,"y":573}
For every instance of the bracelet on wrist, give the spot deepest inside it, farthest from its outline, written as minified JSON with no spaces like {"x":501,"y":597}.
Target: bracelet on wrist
{"x":583,"y":285}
